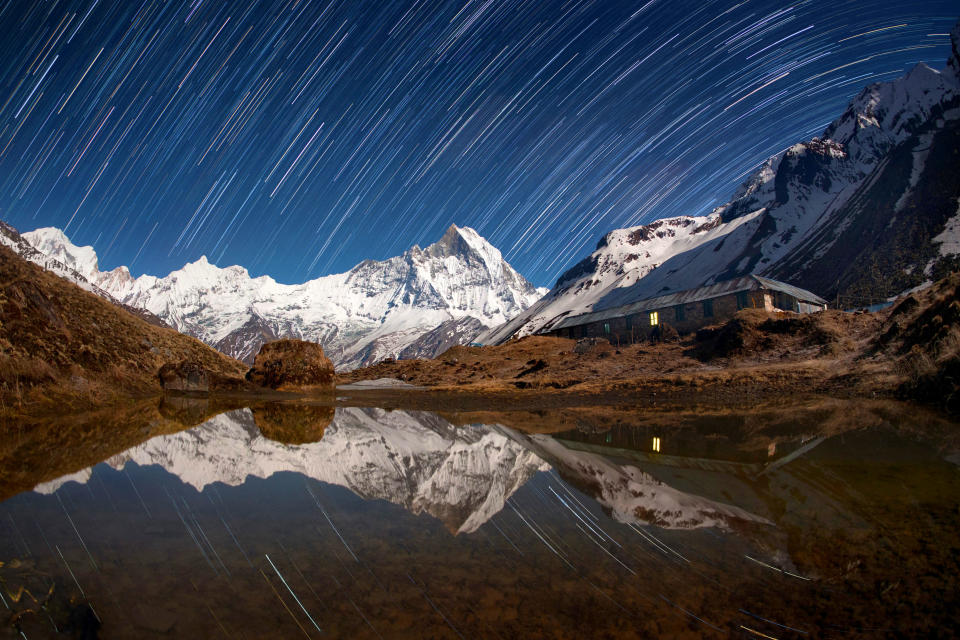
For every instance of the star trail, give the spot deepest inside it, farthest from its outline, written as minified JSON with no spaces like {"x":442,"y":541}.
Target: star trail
{"x":298,"y":138}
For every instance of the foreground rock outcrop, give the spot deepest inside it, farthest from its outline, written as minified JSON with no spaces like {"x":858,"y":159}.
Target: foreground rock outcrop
{"x":291,"y":365}
{"x":184,"y":376}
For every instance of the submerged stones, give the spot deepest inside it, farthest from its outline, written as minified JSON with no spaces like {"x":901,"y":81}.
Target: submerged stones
{"x":291,"y":364}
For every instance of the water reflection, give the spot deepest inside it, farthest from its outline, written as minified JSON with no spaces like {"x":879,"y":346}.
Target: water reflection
{"x":277,"y":520}
{"x":460,"y":475}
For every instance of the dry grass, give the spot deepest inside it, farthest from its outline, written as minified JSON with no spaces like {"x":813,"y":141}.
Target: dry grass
{"x":913,"y":351}
{"x":755,"y":352}
{"x":922,"y":337}
{"x":63,"y":349}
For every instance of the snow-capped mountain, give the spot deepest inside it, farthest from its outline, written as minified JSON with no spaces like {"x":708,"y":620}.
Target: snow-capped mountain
{"x":66,"y":269}
{"x":869,"y":209}
{"x":376,"y":310}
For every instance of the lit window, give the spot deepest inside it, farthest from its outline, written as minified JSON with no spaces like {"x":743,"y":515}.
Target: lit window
{"x":654,"y":318}
{"x":656,"y":445}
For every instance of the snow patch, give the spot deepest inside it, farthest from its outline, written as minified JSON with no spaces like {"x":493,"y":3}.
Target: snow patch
{"x":949,"y":238}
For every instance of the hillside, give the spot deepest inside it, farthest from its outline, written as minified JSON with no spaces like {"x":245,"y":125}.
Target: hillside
{"x":910,"y":351}
{"x":865,"y":211}
{"x":64,"y":348}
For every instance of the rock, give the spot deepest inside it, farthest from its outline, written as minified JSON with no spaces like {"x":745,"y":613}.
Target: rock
{"x":291,"y":364}
{"x":586,"y":345}
{"x":186,"y":376}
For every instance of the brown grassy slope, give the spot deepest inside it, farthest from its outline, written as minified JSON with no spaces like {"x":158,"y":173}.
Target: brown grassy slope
{"x":911,"y":351}
{"x":62,"y":348}
{"x":747,"y":348}
{"x":922,"y":337}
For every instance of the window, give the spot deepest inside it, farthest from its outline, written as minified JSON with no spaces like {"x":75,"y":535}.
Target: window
{"x":680,"y":313}
{"x":656,"y":445}
{"x":583,"y":331}
{"x":654,"y":318}
{"x":742,"y":300}
{"x":606,"y":328}
{"x":708,"y":308}
{"x":629,"y":320}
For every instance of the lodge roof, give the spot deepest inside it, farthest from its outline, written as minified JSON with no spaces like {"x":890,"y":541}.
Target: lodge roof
{"x":744,"y":283}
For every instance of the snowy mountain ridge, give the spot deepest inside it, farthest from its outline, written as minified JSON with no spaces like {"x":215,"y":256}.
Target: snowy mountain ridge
{"x":877,"y":193}
{"x":374,"y":311}
{"x":65,"y":266}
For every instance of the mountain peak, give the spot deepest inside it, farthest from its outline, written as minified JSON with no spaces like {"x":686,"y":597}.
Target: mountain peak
{"x":953,"y":62}
{"x":55,"y":243}
{"x":463,"y":241}
{"x":451,"y":236}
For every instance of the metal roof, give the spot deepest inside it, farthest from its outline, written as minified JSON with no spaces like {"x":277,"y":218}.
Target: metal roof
{"x":800,"y":294}
{"x":744,"y":283}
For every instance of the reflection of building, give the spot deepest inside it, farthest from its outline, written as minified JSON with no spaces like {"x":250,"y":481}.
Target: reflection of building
{"x":652,"y":442}
{"x":688,"y":310}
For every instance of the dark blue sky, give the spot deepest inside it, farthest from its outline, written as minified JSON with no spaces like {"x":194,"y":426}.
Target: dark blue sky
{"x":298,"y":138}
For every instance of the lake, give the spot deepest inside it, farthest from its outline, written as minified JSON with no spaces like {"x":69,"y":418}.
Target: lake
{"x":817,"y":519}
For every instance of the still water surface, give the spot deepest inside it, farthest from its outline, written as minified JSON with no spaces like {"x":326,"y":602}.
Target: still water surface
{"x":808,"y":522}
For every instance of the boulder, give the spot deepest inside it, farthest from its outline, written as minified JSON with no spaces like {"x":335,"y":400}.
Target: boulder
{"x":184,"y":376}
{"x":291,"y":364}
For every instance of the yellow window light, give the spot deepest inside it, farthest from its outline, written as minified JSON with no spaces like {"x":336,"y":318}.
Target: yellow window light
{"x":654,"y":318}
{"x":656,"y":445}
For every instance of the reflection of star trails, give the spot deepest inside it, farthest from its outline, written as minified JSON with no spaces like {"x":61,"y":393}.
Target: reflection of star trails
{"x":282,"y":579}
{"x":79,"y":537}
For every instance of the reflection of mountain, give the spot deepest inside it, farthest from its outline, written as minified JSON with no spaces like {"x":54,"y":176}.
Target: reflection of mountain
{"x":633,"y":495}
{"x":460,"y":475}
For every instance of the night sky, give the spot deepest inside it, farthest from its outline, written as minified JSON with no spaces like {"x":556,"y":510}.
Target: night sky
{"x":299,"y":138}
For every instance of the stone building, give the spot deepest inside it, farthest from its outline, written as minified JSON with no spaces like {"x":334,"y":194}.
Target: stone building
{"x":688,"y":310}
